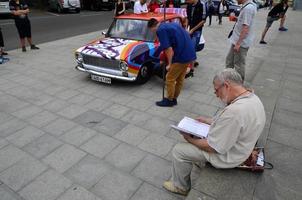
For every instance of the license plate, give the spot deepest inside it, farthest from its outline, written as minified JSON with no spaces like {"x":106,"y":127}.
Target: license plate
{"x":101,"y":79}
{"x":105,"y":0}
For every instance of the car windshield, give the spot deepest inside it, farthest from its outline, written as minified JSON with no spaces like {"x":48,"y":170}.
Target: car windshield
{"x":133,"y":29}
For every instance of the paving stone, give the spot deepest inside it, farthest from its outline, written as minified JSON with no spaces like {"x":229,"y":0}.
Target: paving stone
{"x":125,"y":157}
{"x":78,"y":135}
{"x":25,"y":136}
{"x":9,"y":155}
{"x":9,"y":127}
{"x":178,"y":115}
{"x":53,"y":89}
{"x":292,"y":94}
{"x":4,"y":117}
{"x":136,"y":117}
{"x":48,"y":186}
{"x":204,"y":109}
{"x":41,"y":119}
{"x":158,"y":125}
{"x":56,"y":105}
{"x":59,"y":126}
{"x":100,"y":145}
{"x":7,"y":194}
{"x":132,"y":135}
{"x":140,"y":104}
{"x":154,"y":170}
{"x":81,"y":99}
{"x":98,"y":104}
{"x":27,"y":112}
{"x":42,"y":146}
{"x":78,"y":193}
{"x":90,"y":118}
{"x":67,"y":94}
{"x":195,"y":195}
{"x":157,"y":144}
{"x":22,"y":173}
{"x":289,"y":105}
{"x":287,"y":118}
{"x":110,"y":126}
{"x":201,"y":98}
{"x":88,"y":171}
{"x":163,"y":112}
{"x":72,"y":111}
{"x":116,"y":111}
{"x":10,"y":104}
{"x":64,"y":157}
{"x":116,"y":185}
{"x":3,"y":143}
{"x":149,"y":192}
{"x":122,"y":99}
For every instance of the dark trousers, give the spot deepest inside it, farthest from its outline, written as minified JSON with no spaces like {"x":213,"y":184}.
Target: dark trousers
{"x":1,"y":39}
{"x":219,"y":18}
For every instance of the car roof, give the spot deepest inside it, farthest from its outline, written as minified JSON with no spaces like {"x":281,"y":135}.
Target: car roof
{"x":147,"y":16}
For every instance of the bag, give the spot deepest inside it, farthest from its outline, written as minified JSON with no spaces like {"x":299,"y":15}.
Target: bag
{"x":256,"y":161}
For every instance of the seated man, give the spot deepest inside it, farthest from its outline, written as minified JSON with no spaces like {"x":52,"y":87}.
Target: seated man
{"x":232,"y":135}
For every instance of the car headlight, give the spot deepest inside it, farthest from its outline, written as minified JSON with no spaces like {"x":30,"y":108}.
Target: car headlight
{"x":123,"y":66}
{"x":79,"y":57}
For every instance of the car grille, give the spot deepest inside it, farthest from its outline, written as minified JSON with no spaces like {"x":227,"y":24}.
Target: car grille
{"x":101,"y":62}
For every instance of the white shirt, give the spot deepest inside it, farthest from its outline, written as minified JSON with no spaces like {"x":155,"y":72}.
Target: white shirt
{"x":139,"y":8}
{"x":246,"y":17}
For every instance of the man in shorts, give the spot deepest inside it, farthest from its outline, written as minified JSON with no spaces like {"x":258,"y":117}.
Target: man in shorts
{"x":278,"y":12}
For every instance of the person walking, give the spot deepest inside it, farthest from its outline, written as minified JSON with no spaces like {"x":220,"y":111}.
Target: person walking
{"x":175,"y":41}
{"x":278,"y":12}
{"x":119,"y":8}
{"x":20,"y":10}
{"x":241,"y":37}
{"x":211,"y":11}
{"x":221,"y":10}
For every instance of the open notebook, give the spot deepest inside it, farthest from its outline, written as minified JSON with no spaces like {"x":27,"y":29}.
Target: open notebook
{"x":193,"y":127}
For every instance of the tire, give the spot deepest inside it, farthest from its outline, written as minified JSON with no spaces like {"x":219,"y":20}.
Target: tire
{"x":78,"y":10}
{"x":144,"y":74}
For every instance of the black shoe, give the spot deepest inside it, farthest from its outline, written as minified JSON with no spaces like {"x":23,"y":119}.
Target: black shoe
{"x":34,"y":47}
{"x":196,"y":64}
{"x":165,"y":103}
{"x":174,"y":102}
{"x":262,"y":42}
{"x":190,"y":74}
{"x":23,"y":49}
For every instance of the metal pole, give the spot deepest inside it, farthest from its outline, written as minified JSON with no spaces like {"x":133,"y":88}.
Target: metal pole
{"x":164,"y":67}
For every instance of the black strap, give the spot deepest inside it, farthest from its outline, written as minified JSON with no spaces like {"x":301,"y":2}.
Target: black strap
{"x":239,"y":12}
{"x":268,"y":165}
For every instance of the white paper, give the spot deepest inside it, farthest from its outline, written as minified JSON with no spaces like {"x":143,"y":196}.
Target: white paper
{"x":192,"y":126}
{"x":260,"y":159}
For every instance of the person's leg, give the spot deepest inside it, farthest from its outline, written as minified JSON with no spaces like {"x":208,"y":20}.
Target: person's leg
{"x":264,"y":33}
{"x":210,"y":19}
{"x":229,"y":61}
{"x":184,"y":155}
{"x":180,"y":79}
{"x":176,"y":69}
{"x":1,"y":42}
{"x":220,"y":18}
{"x":282,"y":21}
{"x":240,"y":60}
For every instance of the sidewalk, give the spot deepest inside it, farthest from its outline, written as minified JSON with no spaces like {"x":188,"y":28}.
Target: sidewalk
{"x":65,"y":137}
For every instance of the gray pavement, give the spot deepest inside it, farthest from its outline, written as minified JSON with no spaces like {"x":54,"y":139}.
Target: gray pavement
{"x":63,"y":136}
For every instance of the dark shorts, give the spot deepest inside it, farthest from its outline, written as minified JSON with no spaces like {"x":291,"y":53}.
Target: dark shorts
{"x":23,"y":27}
{"x":270,"y":20}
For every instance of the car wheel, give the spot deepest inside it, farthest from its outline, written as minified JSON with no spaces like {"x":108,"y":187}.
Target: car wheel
{"x":144,"y":74}
{"x":78,"y":10}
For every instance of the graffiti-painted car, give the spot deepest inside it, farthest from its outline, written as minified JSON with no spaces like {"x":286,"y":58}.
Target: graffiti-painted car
{"x":128,"y":51}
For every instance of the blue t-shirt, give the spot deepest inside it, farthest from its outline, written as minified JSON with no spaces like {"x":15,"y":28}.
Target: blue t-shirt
{"x":175,"y":36}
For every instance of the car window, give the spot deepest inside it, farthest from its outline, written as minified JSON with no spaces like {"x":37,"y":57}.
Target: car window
{"x":132,"y":29}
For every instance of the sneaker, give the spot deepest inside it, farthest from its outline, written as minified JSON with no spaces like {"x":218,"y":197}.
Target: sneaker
{"x":23,"y":49}
{"x":34,"y":47}
{"x":283,"y":29}
{"x":174,"y":102}
{"x":190,"y":74}
{"x":168,"y":185}
{"x":196,"y":64}
{"x":165,"y":103}
{"x":262,"y":42}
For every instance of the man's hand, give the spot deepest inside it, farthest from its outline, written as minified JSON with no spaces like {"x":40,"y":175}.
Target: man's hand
{"x":204,"y":120}
{"x":237,"y":47}
{"x":187,"y":137}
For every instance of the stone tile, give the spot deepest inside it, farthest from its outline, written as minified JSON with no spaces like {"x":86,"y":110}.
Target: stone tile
{"x":116,"y":111}
{"x":195,"y":195}
{"x":100,"y":145}
{"x":132,"y":135}
{"x":7,"y":194}
{"x":72,"y":111}
{"x":149,"y":192}
{"x":125,"y":157}
{"x":22,"y":173}
{"x":98,"y":104}
{"x":163,"y":112}
{"x":81,"y":99}
{"x":201,"y":98}
{"x":158,"y":125}
{"x":9,"y":127}
{"x":3,"y":143}
{"x":41,"y":119}
{"x":53,"y":89}
{"x":78,"y":135}
{"x":122,"y":99}
{"x":11,"y":104}
{"x":59,"y":126}
{"x":289,"y":105}
{"x":64,"y":157}
{"x":88,"y":171}
{"x":295,"y":95}
{"x":159,"y":170}
{"x":110,"y":126}
{"x":42,"y":146}
{"x":226,"y":184}
{"x":66,"y":94}
{"x":116,"y":185}
{"x":140,"y":104}
{"x":203,"y":109}
{"x":4,"y":117}
{"x":287,"y":118}
{"x":56,"y":105}
{"x":25,"y":136}
{"x":78,"y":193}
{"x":157,"y":144}
{"x":136,"y":117}
{"x":90,"y":118}
{"x":9,"y":155}
{"x":178,"y":115}
{"x":27,"y":112}
{"x":48,"y":186}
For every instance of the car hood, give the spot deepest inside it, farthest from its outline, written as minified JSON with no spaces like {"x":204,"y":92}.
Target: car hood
{"x":112,"y":48}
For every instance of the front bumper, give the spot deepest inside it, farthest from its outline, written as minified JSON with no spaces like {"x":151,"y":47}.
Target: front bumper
{"x":123,"y":78}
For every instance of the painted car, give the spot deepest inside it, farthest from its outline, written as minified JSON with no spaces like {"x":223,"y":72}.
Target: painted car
{"x":128,"y":52}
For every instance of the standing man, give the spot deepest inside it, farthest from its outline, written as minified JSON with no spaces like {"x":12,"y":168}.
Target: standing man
{"x":140,"y":6}
{"x":242,"y":37}
{"x":278,"y":12}
{"x":232,"y":135}
{"x":196,"y":12}
{"x":2,"y":53}
{"x":173,"y":38}
{"x":20,"y":10}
